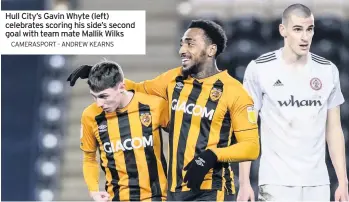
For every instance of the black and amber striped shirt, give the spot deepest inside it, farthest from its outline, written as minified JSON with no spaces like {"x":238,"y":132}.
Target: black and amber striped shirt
{"x":130,"y":145}
{"x":212,"y":113}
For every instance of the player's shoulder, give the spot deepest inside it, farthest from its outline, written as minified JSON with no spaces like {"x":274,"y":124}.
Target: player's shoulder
{"x":266,"y":58}
{"x":174,"y":72}
{"x":232,"y":84}
{"x":263,"y":61}
{"x":319,"y":60}
{"x":323,"y":64}
{"x":91,"y":111}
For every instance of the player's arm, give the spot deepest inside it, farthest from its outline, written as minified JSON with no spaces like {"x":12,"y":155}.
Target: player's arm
{"x":252,"y":86}
{"x":156,"y":86}
{"x":336,"y":144}
{"x":89,"y":147}
{"x":91,"y":171}
{"x":334,"y":132}
{"x":245,"y":128}
{"x":138,"y":87}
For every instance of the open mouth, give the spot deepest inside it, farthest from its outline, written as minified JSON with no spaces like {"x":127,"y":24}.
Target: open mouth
{"x":185,"y":58}
{"x":304,"y":46}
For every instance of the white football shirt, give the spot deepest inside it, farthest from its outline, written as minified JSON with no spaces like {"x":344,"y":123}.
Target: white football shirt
{"x":292,"y":105}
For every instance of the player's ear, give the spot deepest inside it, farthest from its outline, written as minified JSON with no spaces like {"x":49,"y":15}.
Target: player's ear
{"x":122,"y":86}
{"x":212,"y":50}
{"x":282,"y":30}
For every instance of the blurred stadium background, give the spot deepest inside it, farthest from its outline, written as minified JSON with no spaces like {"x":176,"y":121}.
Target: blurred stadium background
{"x":41,"y":159}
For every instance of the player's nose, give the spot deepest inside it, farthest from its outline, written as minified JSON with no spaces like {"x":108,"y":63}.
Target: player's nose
{"x":182,"y":50}
{"x":304,"y":37}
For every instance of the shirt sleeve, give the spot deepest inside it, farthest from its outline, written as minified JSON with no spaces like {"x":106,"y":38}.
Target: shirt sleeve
{"x":252,"y":85}
{"x":336,"y":97}
{"x":87,"y":139}
{"x":243,"y":113}
{"x":90,"y":171}
{"x":156,"y":86}
{"x":245,"y":129}
{"x":138,"y":87}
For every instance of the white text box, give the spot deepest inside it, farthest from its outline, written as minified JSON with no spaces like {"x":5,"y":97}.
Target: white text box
{"x":73,"y":32}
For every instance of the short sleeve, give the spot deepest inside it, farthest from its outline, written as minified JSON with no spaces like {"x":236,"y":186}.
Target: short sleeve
{"x":336,"y":97}
{"x":87,"y":139}
{"x":242,"y":112}
{"x":252,"y":85}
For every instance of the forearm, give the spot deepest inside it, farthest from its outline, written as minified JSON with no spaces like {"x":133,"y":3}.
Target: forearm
{"x":244,"y":172}
{"x":138,"y":87}
{"x":91,"y":171}
{"x":244,"y":150}
{"x":336,"y":147}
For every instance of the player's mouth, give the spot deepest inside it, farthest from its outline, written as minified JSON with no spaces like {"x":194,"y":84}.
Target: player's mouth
{"x":185,"y":59}
{"x":304,"y":46}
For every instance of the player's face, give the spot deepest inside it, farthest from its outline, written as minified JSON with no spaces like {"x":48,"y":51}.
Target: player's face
{"x":109,"y":99}
{"x":193,"y":49}
{"x":299,"y":33}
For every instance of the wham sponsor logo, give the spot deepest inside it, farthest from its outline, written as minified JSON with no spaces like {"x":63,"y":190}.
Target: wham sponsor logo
{"x":299,"y":103}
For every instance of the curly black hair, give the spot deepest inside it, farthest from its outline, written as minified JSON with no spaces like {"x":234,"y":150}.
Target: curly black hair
{"x":213,"y":31}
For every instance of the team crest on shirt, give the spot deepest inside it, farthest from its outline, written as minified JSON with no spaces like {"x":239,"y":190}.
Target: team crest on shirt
{"x":251,"y":115}
{"x":315,"y":84}
{"x":145,"y":119}
{"x":215,"y":94}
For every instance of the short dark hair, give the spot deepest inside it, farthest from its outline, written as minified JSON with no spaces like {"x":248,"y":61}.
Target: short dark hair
{"x":297,"y":9}
{"x":105,"y":75}
{"x":214,"y":33}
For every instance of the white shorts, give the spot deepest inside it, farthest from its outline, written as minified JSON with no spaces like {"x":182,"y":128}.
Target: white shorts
{"x":292,"y":193}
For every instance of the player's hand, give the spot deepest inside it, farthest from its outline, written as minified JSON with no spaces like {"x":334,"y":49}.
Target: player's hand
{"x":198,"y":168}
{"x":81,"y":72}
{"x":341,"y":193}
{"x":246,"y":193}
{"x":99,"y":196}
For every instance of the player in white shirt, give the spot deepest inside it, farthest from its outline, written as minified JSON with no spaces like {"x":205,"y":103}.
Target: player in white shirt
{"x":297,"y":95}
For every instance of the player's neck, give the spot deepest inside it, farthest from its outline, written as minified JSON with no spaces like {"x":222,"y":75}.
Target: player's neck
{"x":206,"y":70}
{"x":126,"y":100}
{"x":292,"y":59}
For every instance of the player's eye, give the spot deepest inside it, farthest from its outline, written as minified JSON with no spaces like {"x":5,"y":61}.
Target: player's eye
{"x":103,"y":97}
{"x":297,"y":29}
{"x":310,"y":29}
